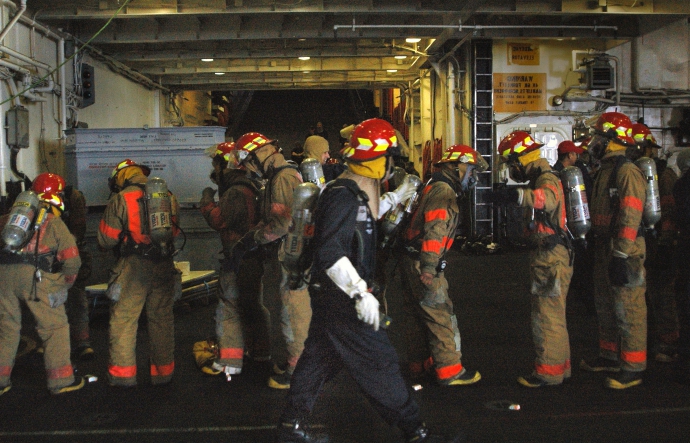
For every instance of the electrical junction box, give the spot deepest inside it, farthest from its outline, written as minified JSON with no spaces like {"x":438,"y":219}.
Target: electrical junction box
{"x":600,"y":75}
{"x":18,"y":127}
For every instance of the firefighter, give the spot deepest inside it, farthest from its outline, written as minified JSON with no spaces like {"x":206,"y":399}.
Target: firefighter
{"x":550,"y":260}
{"x":431,"y":327}
{"x":681,"y":220}
{"x":582,"y":281}
{"x":74,"y":216}
{"x":240,"y":308}
{"x":659,"y":265}
{"x":344,"y":333}
{"x":618,"y":199}
{"x":316,"y":147}
{"x":144,"y":275}
{"x":261,"y":156}
{"x":39,"y":273}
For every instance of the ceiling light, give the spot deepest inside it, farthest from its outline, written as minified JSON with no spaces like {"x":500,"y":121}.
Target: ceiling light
{"x":391,"y":70}
{"x":413,"y":40}
{"x":206,"y":59}
{"x":220,"y":73}
{"x":301,"y":39}
{"x":400,"y":57}
{"x":306,"y":72}
{"x":304,"y":57}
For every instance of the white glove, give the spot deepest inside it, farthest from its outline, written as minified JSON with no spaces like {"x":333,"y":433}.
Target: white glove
{"x":402,"y":193}
{"x":345,"y":276}
{"x":367,"y":308}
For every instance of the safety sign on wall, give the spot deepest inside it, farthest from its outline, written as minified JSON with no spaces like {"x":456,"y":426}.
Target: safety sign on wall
{"x":523,"y":54}
{"x":519,"y":92}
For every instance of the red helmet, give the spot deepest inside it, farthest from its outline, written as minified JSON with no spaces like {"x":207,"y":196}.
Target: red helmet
{"x":463,"y":154}
{"x":227,"y":151}
{"x":519,"y":143}
{"x":615,"y":125}
{"x":48,"y":182}
{"x":370,"y":140}
{"x":641,"y":134}
{"x":126,"y":164}
{"x":250,"y":142}
{"x":53,"y":199}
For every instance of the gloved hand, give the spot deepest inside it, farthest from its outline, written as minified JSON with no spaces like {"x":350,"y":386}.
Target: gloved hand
{"x":618,"y":269}
{"x":207,"y":196}
{"x":402,"y":193}
{"x":367,"y":308}
{"x":244,"y":245}
{"x":504,"y":196}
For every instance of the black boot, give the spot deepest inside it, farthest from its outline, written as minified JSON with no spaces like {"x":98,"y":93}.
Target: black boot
{"x":294,"y":432}
{"x":423,"y":435}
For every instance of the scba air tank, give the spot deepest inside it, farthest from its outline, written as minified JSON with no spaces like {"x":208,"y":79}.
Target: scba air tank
{"x":652,"y":207}
{"x":312,"y":172}
{"x":577,"y":208}
{"x":18,"y":229}
{"x":159,"y":211}
{"x":301,"y":231}
{"x":393,"y":218}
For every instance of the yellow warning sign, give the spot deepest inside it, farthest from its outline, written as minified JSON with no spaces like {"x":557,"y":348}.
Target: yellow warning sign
{"x":523,"y":54}
{"x":519,"y":92}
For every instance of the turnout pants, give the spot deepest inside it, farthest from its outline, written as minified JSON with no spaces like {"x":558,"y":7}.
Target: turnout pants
{"x":550,"y":274}
{"x":622,"y":311}
{"x":241,"y":316}
{"x":45,"y":301}
{"x":139,"y":282}
{"x":77,"y":306}
{"x":430,"y":326}
{"x":295,"y":316}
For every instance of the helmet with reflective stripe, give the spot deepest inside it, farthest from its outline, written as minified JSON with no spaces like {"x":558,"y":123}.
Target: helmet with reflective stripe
{"x":370,"y":140}
{"x":615,"y":125}
{"x":52,"y":198}
{"x":48,"y":182}
{"x":518,"y":143}
{"x":224,"y":150}
{"x":642,"y":135}
{"x":463,"y":154}
{"x":250,"y":142}
{"x":126,"y":164}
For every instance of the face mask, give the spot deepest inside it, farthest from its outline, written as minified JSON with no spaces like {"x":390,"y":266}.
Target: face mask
{"x":470,"y":179}
{"x":597,"y":146}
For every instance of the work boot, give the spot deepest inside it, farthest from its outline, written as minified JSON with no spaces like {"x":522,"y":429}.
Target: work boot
{"x":280,"y":381}
{"x":294,"y":432}
{"x":84,"y":352}
{"x":423,"y":435}
{"x":4,"y":389}
{"x":666,"y":353}
{"x":76,"y":385}
{"x":534,"y":381}
{"x":623,"y":380}
{"x":600,"y":364}
{"x":463,"y":377}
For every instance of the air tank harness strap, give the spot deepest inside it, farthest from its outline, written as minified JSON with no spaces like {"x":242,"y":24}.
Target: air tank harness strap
{"x":151,"y":251}
{"x":561,"y":236}
{"x":46,"y":262}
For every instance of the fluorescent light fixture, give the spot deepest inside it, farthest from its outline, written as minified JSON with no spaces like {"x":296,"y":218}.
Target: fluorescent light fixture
{"x":413,"y":40}
{"x":400,"y":57}
{"x":301,"y":39}
{"x":304,"y":57}
{"x":220,"y":73}
{"x":306,"y":72}
{"x":391,"y":70}
{"x":206,"y":59}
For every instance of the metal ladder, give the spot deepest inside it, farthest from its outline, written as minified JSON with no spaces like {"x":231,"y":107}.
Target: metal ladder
{"x":482,"y":210}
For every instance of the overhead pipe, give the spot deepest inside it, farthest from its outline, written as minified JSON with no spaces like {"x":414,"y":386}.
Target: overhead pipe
{"x":14,"y":66}
{"x":460,"y":27}
{"x":14,"y":20}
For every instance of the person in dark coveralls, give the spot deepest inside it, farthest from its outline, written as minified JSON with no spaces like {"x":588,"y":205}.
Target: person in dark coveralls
{"x":344,"y":332}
